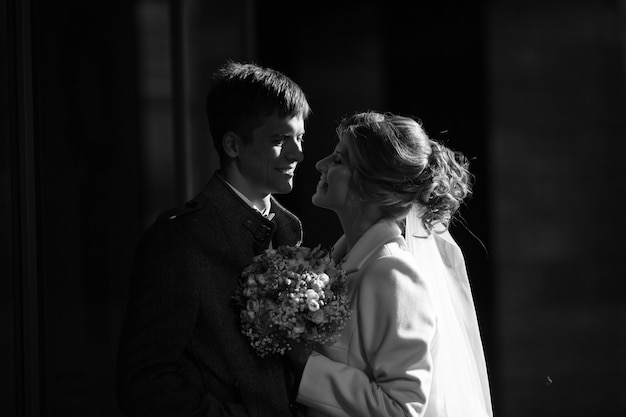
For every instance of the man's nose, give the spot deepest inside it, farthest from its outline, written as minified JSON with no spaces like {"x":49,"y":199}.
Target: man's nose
{"x":294,"y":150}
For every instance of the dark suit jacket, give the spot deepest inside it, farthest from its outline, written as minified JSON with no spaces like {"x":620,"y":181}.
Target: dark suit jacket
{"x":182,"y":352}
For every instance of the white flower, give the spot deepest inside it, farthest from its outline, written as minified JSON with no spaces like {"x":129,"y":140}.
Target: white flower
{"x":312,"y":295}
{"x":313,"y":305}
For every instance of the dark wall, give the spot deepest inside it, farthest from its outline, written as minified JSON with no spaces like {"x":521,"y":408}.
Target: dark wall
{"x":557,"y":110}
{"x":74,"y":197}
{"x":89,"y":195}
{"x":9,"y":108}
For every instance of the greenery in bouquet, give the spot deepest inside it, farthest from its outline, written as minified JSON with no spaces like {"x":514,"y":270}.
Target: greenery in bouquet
{"x":292,"y":294}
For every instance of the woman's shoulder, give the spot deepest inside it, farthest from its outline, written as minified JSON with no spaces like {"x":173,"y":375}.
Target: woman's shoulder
{"x":395,"y":251}
{"x":391,"y":265}
{"x":392,"y":282}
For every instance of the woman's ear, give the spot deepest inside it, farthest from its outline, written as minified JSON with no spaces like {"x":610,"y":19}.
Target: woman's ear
{"x":231,"y":143}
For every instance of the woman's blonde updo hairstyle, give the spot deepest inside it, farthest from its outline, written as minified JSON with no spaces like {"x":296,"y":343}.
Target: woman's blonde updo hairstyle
{"x":395,"y":164}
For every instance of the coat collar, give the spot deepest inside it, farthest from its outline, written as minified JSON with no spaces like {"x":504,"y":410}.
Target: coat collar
{"x":376,"y":236}
{"x":284,"y":227}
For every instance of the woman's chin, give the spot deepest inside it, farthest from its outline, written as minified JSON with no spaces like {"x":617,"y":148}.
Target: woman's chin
{"x":317,"y":199}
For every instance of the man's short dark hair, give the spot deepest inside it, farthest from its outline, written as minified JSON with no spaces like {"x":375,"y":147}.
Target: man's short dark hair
{"x":243,"y":94}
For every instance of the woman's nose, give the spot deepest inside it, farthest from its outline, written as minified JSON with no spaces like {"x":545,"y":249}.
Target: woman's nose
{"x":321,"y":165}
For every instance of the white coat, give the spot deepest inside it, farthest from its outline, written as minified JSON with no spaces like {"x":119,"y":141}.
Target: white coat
{"x":381,"y":365}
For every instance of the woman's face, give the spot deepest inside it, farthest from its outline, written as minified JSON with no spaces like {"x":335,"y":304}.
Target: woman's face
{"x":333,"y":188}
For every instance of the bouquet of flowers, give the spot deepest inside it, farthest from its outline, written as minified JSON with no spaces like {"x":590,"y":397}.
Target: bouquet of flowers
{"x":292,"y":294}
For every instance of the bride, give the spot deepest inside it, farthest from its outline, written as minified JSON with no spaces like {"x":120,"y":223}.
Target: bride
{"x":412,"y":346}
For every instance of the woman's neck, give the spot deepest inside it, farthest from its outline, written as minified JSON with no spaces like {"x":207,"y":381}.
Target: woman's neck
{"x":355,"y":226}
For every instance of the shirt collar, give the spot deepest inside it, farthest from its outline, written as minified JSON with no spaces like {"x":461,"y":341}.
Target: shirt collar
{"x":265,"y":213}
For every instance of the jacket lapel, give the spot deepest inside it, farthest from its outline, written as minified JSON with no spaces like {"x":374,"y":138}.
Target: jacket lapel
{"x":288,"y":229}
{"x":239,"y":212}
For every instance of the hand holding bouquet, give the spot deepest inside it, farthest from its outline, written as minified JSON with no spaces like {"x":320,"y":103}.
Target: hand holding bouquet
{"x":292,"y":294}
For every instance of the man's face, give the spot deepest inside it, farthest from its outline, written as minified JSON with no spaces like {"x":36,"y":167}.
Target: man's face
{"x":268,"y":161}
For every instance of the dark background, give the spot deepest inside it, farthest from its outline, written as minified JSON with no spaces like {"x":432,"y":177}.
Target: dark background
{"x":103,"y":128}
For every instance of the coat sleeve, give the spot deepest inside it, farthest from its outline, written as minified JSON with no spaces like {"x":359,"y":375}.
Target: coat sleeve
{"x":396,"y":327}
{"x":155,"y":377}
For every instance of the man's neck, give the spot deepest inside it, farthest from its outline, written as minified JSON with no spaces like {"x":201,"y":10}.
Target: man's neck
{"x":261,"y":202}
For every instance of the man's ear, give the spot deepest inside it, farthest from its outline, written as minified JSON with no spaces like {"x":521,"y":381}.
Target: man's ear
{"x":231,"y":143}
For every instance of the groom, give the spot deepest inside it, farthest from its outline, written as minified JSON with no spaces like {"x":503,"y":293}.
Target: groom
{"x":182,"y":352}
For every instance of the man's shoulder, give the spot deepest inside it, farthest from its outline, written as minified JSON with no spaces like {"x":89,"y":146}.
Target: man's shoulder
{"x":205,"y":202}
{"x":190,"y":207}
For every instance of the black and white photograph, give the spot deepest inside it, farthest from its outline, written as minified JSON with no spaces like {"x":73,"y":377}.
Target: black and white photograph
{"x":371,"y":208}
